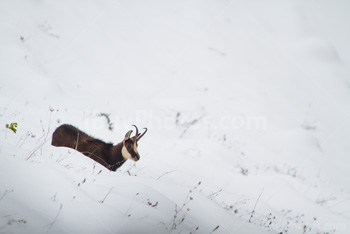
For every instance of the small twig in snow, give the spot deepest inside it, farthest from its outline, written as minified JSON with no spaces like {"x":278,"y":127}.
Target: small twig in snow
{"x":5,"y":193}
{"x":214,"y":194}
{"x":53,"y":222}
{"x":165,"y":174}
{"x":106,"y":195}
{"x":217,"y":227}
{"x":253,"y":212}
{"x":110,"y":124}
{"x":190,"y":124}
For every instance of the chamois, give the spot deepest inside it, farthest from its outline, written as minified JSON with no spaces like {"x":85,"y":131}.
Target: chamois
{"x":109,"y":155}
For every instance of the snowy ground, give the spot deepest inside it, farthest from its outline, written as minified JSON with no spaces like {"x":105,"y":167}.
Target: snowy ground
{"x":247,"y":105}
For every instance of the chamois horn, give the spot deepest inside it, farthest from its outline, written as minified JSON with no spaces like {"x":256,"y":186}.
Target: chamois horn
{"x":139,"y":137}
{"x":137,"y":131}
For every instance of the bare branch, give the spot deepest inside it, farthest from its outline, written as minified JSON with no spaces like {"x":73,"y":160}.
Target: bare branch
{"x":253,"y":212}
{"x":165,"y":174}
{"x":5,"y":193}
{"x":55,"y":219}
{"x":106,"y":195}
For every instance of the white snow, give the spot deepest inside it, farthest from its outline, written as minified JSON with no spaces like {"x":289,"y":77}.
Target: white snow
{"x":247,"y":105}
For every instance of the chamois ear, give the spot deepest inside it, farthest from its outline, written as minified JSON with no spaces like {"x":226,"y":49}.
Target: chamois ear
{"x":127,"y":136}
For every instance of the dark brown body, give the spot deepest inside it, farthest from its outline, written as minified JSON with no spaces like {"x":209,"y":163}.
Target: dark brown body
{"x":106,"y":154}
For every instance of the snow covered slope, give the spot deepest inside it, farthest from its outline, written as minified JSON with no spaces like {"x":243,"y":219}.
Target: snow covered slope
{"x":247,"y":105}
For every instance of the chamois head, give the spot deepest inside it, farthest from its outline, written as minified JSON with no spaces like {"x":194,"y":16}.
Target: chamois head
{"x":129,"y":148}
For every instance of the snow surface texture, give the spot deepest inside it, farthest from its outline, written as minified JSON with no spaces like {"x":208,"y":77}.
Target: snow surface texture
{"x":247,"y":105}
